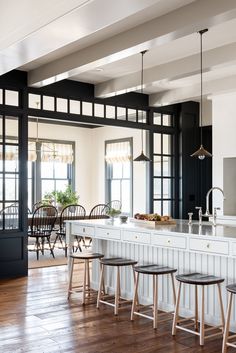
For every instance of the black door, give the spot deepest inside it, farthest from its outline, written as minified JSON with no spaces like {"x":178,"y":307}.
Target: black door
{"x":13,"y":195}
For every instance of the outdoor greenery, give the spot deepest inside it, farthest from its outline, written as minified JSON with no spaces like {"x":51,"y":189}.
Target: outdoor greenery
{"x":63,"y":198}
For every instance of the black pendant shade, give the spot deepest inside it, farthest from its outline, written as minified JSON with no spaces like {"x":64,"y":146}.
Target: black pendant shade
{"x":142,"y":157}
{"x":201,"y":153}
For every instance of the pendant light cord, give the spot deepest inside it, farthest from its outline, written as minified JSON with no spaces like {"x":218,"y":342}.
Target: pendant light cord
{"x":142,"y":52}
{"x":201,"y":33}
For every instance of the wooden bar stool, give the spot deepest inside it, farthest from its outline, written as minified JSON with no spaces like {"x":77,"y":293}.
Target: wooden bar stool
{"x":197,"y":279}
{"x":155,"y":271}
{"x":231,"y":290}
{"x":88,"y":292}
{"x":114,"y":262}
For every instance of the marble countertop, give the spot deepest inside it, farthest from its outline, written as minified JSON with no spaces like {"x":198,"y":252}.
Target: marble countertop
{"x":181,"y":227}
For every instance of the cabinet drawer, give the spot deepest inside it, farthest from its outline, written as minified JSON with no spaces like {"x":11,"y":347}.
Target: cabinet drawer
{"x":210,"y":246}
{"x":107,"y":233}
{"x":82,"y":230}
{"x":136,"y":237}
{"x":169,"y":241}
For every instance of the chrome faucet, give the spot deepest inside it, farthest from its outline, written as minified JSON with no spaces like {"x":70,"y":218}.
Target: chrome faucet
{"x":207,"y":214}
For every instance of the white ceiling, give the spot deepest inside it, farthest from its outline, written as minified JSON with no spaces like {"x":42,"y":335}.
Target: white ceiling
{"x":99,"y":41}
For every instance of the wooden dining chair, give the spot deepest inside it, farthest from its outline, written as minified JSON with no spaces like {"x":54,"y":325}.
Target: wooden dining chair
{"x":42,"y":224}
{"x":69,"y":212}
{"x":115,"y":204}
{"x":99,"y":211}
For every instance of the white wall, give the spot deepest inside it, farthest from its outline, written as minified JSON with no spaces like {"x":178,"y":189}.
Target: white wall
{"x":98,"y":168}
{"x":224,"y":137}
{"x":90,"y":164}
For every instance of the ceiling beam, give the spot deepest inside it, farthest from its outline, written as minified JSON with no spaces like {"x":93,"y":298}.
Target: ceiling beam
{"x":187,"y":93}
{"x":45,"y":29}
{"x":176,"y":24}
{"x":173,"y":70}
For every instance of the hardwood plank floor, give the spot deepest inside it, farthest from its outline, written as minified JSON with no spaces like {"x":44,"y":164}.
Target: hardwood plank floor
{"x":36,"y":317}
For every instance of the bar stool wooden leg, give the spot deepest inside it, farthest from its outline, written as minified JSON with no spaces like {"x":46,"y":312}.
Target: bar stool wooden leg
{"x":173,"y":288}
{"x":117,"y":294}
{"x":221,"y":307}
{"x":84,"y":282}
{"x":137,"y":300}
{"x":155,"y":301}
{"x":176,"y":313}
{"x":101,"y":281}
{"x":70,"y":278}
{"x":202,"y":331}
{"x":134,"y":304}
{"x":88,"y":278}
{"x":196,"y":308}
{"x":227,"y":323}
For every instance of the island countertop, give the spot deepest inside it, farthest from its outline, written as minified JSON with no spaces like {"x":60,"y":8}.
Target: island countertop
{"x":180,"y":228}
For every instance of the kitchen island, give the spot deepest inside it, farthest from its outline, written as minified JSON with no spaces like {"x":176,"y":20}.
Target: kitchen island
{"x":206,"y":249}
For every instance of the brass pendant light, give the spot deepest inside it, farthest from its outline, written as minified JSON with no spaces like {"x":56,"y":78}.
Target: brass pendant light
{"x":142,"y":157}
{"x":201,"y":153}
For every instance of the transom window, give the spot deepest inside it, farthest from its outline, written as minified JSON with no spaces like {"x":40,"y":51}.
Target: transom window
{"x":118,"y":157}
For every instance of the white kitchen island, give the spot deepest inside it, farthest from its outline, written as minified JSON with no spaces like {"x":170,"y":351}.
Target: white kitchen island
{"x":206,"y":249}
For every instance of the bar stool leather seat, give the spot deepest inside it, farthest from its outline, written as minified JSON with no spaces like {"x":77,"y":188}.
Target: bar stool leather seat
{"x":117,"y":261}
{"x":154,"y":269}
{"x":199,"y":279}
{"x":86,"y":256}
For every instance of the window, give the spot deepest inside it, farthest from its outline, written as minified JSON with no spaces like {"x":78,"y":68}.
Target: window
{"x":50,"y":168}
{"x":118,"y":157}
{"x":163,"y":174}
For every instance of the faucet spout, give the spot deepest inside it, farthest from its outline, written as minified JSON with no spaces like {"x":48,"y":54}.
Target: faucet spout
{"x":208,"y":196}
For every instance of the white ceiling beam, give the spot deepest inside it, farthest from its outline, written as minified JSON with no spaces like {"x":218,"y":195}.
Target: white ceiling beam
{"x":187,"y":93}
{"x":173,"y":70}
{"x":174,"y":25}
{"x":44,"y":29}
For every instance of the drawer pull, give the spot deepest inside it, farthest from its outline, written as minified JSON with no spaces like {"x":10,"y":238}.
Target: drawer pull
{"x":107,"y":233}
{"x":84,"y":230}
{"x":136,"y":237}
{"x":208,"y":245}
{"x":168,"y":241}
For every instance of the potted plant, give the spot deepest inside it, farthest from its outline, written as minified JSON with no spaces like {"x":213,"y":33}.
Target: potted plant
{"x":112,"y":212}
{"x":65,"y":198}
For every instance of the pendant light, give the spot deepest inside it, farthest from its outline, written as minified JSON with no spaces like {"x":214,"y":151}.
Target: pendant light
{"x":142,"y":157}
{"x":201,"y":153}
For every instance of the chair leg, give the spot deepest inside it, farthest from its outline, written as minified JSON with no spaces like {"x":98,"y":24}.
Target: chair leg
{"x":37,"y":248}
{"x":221,"y":307}
{"x":227,"y":323}
{"x":100,"y":284}
{"x":176,"y":313}
{"x":173,"y":288}
{"x":84,"y":283}
{"x":155,"y":300}
{"x":50,"y":247}
{"x":70,"y":278}
{"x":117,"y":294}
{"x":196,"y":308}
{"x":88,"y":277}
{"x":133,"y":309}
{"x":202,"y":327}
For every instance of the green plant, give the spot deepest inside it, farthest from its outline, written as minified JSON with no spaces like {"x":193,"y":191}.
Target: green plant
{"x":113,"y":212}
{"x":66,"y":197}
{"x":48,"y":199}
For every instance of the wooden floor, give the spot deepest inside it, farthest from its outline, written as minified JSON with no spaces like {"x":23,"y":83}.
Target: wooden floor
{"x":36,"y":317}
